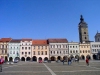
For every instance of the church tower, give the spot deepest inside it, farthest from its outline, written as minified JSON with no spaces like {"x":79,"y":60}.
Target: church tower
{"x":83,"y":31}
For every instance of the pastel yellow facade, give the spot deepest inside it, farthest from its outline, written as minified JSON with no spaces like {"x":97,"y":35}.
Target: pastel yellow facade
{"x":85,"y":50}
{"x":40,"y":52}
{"x":3,"y":50}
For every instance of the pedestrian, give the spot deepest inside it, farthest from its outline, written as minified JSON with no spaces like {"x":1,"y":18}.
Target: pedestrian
{"x":0,"y":65}
{"x":63,"y":61}
{"x":87,"y":61}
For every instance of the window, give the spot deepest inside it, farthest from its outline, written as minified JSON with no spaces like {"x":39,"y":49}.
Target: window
{"x":2,"y":52}
{"x":17,"y":47}
{"x":70,"y":46}
{"x":54,"y":52}
{"x":53,"y":46}
{"x":60,"y":52}
{"x":80,"y":51}
{"x":11,"y":47}
{"x":83,"y":51}
{"x":95,"y":50}
{"x":22,"y":48}
{"x":84,"y":32}
{"x":99,"y":45}
{"x":38,"y":52}
{"x":34,"y":47}
{"x":6,"y":46}
{"x":76,"y":51}
{"x":51,"y":52}
{"x":70,"y":51}
{"x":98,"y":39}
{"x":29,"y":53}
{"x":25,"y":52}
{"x":2,"y":46}
{"x":33,"y":52}
{"x":76,"y":46}
{"x":14,"y":47}
{"x":73,"y":46}
{"x":22,"y":53}
{"x":57,"y":52}
{"x":5,"y":51}
{"x":42,"y":47}
{"x":66,"y":46}
{"x":85,"y":38}
{"x":57,"y":46}
{"x":73,"y":51}
{"x":41,"y":52}
{"x":25,"y":48}
{"x":45,"y":47}
{"x":86,"y":51}
{"x":66,"y":52}
{"x":45,"y":52}
{"x":38,"y":47}
{"x":29,"y":48}
{"x":10,"y":52}
{"x":26,"y":43}
{"x":13,"y":52}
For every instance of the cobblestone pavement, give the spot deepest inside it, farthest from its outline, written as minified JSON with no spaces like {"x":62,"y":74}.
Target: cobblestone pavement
{"x":32,"y":68}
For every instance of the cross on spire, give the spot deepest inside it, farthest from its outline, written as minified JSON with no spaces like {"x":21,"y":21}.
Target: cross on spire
{"x":81,"y":19}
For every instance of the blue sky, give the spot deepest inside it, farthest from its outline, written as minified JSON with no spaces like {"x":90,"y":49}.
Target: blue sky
{"x":42,"y":19}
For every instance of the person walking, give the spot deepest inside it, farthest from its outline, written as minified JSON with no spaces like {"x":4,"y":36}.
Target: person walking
{"x":63,"y":61}
{"x":87,"y":61}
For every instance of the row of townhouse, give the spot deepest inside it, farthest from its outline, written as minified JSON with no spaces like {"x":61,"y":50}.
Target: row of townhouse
{"x":50,"y":49}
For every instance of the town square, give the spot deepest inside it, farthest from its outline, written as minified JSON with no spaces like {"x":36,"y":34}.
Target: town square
{"x":49,"y":37}
{"x":53,"y":68}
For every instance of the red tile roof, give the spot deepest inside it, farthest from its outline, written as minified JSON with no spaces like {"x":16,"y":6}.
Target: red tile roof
{"x":62,"y":40}
{"x":5,"y":39}
{"x":39,"y":42}
{"x":26,"y":39}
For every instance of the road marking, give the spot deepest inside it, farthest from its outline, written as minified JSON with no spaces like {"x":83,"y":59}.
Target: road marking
{"x":81,"y":70}
{"x":12,"y":66}
{"x":24,"y":71}
{"x":93,"y":67}
{"x":49,"y":69}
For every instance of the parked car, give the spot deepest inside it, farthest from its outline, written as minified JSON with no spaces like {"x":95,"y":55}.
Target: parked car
{"x":40,"y":61}
{"x":45,"y":61}
{"x":16,"y":61}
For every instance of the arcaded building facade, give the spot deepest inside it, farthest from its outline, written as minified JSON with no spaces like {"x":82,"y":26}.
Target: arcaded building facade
{"x":40,"y":50}
{"x":58,"y":49}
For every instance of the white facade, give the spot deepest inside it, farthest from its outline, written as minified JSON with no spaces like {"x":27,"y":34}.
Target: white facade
{"x":58,"y":49}
{"x":73,"y":48}
{"x":25,"y":50}
{"x":95,"y":48}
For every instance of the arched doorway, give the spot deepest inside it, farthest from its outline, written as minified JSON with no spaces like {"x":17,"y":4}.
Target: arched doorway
{"x":10,"y":59}
{"x":82,"y":57}
{"x":65,"y":58}
{"x":40,"y":58}
{"x":88,"y":56}
{"x":46,"y":58}
{"x":28,"y":59}
{"x":71,"y":56}
{"x":77,"y":57}
{"x":22,"y":59}
{"x":6,"y":59}
{"x":58,"y":58}
{"x":94,"y":56}
{"x":52,"y":58}
{"x":34,"y":58}
{"x":17,"y":58}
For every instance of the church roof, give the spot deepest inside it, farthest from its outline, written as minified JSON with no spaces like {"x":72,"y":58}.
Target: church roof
{"x":97,"y":34}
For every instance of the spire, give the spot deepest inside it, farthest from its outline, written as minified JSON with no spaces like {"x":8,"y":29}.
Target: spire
{"x":81,"y":19}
